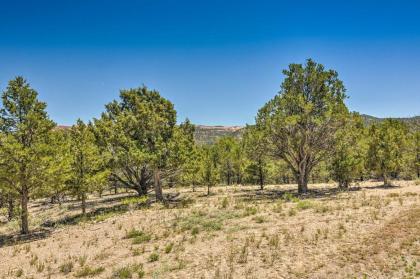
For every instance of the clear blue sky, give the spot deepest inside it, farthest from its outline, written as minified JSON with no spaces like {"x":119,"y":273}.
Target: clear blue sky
{"x":217,"y":61}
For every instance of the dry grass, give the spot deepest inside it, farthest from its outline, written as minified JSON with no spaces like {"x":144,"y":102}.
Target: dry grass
{"x":238,"y":232}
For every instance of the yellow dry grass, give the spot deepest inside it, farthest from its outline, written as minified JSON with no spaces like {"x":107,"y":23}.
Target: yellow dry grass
{"x":238,"y":232}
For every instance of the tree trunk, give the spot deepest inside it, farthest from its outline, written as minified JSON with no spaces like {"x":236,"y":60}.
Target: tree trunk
{"x":158,"y":185}
{"x":261,"y":177}
{"x":10,"y":208}
{"x":302,"y":181}
{"x":208,"y":189}
{"x":83,"y":204}
{"x":386,"y":181}
{"x":24,"y":211}
{"x":343,"y":184}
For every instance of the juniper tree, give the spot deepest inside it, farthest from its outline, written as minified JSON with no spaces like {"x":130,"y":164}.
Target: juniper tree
{"x":86,"y":165}
{"x":387,"y":144}
{"x":256,"y":149}
{"x":136,"y":131}
{"x":302,"y":120}
{"x":347,"y":160}
{"x":24,"y":147}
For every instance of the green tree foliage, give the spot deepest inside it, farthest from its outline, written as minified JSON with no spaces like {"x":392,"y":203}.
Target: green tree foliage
{"x":24,"y":143}
{"x":86,"y":164}
{"x":256,"y":149}
{"x":190,"y":155}
{"x":302,"y":119}
{"x":209,"y":165}
{"x":387,"y":144}
{"x":225,"y":147}
{"x":347,"y":160}
{"x":416,"y":149}
{"x":137,"y":132}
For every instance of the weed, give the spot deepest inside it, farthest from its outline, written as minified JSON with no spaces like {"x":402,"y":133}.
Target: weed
{"x":89,"y":271}
{"x":154,"y":257}
{"x":225,"y":202}
{"x":66,"y":267}
{"x":19,"y":272}
{"x":259,"y":219}
{"x":126,"y":272}
{"x":82,"y":260}
{"x":168,"y":248}
{"x":250,"y":211}
{"x":137,"y":236}
{"x":304,"y":204}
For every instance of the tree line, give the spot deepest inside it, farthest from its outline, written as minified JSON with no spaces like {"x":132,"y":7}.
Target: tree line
{"x":304,"y":134}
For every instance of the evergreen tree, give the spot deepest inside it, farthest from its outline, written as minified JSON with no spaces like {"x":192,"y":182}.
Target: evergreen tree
{"x":86,"y":165}
{"x":348,"y":156}
{"x":24,"y":147}
{"x":137,"y":132}
{"x":256,"y":149}
{"x":302,"y":119}
{"x":387,"y":144}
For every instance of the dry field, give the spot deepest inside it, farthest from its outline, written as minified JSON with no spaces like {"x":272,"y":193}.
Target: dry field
{"x":238,"y":232}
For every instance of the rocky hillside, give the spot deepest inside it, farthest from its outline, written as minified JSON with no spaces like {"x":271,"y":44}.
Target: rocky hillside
{"x":209,"y":134}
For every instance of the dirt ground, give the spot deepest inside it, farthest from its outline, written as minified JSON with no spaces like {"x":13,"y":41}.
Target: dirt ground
{"x":237,"y":232}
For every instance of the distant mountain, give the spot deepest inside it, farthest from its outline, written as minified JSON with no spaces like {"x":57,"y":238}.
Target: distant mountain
{"x":209,"y":134}
{"x":411,"y":121}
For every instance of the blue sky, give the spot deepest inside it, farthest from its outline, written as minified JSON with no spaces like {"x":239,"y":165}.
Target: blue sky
{"x":217,"y":61}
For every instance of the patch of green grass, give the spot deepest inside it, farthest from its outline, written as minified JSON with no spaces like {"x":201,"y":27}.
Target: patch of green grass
{"x":251,"y":210}
{"x":200,"y":220}
{"x":127,"y":272}
{"x":137,"y":236}
{"x":290,"y":197}
{"x":304,"y":204}
{"x":292,"y":212}
{"x":154,"y":257}
{"x":135,"y":200}
{"x":89,"y":271}
{"x":168,"y":248}
{"x":82,"y":260}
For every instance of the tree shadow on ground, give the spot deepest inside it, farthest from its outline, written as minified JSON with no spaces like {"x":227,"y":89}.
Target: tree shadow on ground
{"x":99,"y":214}
{"x":270,"y":195}
{"x":77,"y":205}
{"x":383,"y":186}
{"x":13,"y":239}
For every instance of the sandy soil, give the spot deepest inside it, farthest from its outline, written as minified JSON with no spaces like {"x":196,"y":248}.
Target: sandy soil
{"x":237,"y":232}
